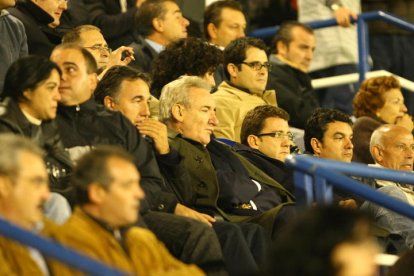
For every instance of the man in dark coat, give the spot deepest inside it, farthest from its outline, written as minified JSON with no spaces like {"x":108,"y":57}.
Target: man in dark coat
{"x":40,"y":19}
{"x":266,"y":142}
{"x":220,"y":182}
{"x":84,"y":124}
{"x":294,"y":45}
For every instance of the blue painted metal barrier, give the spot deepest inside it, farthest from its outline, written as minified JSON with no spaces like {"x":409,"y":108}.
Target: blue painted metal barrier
{"x":56,"y":251}
{"x":363,"y":18}
{"x":315,"y":177}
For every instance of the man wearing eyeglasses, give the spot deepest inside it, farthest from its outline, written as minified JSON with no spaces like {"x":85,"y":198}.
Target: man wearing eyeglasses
{"x":266,"y":142}
{"x":294,"y":44}
{"x":90,"y":37}
{"x":247,"y":68}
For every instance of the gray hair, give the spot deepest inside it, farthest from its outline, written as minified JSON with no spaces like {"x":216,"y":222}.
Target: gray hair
{"x":177,"y":92}
{"x":11,"y":147}
{"x":378,"y":137}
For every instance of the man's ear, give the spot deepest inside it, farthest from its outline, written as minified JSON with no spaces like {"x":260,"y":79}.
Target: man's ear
{"x":177,"y":112}
{"x":281,"y":48}
{"x":253,"y":141}
{"x":377,"y":153}
{"x":212,"y":31}
{"x":5,"y":186}
{"x":109,"y":103}
{"x":27,"y":94}
{"x":316,"y":146}
{"x":93,"y":81}
{"x":233,"y":70}
{"x":158,"y":25}
{"x":96,"y":193}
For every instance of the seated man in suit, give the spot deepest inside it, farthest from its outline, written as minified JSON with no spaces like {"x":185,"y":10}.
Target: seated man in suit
{"x":266,"y":142}
{"x":220,"y":181}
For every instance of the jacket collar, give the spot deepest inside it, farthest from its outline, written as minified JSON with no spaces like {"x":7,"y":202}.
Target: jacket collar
{"x":269,"y":96}
{"x":34,"y":11}
{"x":88,"y":105}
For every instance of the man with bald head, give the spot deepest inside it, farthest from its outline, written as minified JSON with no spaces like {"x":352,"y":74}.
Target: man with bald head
{"x":392,"y":147}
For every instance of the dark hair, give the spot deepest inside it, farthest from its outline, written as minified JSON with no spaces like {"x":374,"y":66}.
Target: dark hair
{"x":188,"y":56}
{"x":306,"y":244}
{"x":212,"y":14}
{"x":235,"y":52}
{"x":92,"y":167}
{"x":27,"y":73}
{"x":74,"y":35}
{"x":317,"y":124}
{"x":112,"y":81}
{"x":370,"y":96}
{"x":91,"y":65}
{"x":284,"y":33}
{"x":254,"y":121}
{"x":148,"y":11}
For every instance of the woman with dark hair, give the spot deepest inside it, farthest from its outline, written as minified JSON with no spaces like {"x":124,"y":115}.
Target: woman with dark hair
{"x":29,"y":108}
{"x":378,"y":101}
{"x":189,"y":56}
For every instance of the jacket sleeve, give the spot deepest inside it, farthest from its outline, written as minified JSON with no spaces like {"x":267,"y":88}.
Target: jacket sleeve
{"x":109,"y":18}
{"x":299,"y":101}
{"x":156,"y":196}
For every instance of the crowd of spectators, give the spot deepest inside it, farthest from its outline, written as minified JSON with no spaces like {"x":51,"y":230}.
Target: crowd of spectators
{"x":112,"y":122}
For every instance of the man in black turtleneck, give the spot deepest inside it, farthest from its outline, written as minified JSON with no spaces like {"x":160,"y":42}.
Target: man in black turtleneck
{"x":40,"y":18}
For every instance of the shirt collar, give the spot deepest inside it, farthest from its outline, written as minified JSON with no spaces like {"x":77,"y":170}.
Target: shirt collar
{"x":156,"y":46}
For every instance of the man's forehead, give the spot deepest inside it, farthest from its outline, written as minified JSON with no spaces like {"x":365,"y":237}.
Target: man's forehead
{"x":139,"y":88}
{"x":201,"y":96}
{"x":339,"y":127}
{"x":93,"y":36}
{"x":400,"y":137}
{"x":228,"y":14}
{"x":68,"y":56}
{"x":256,"y":54}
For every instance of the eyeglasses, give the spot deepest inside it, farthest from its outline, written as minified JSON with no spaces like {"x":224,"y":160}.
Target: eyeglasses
{"x":277,"y":135}
{"x":257,"y":66}
{"x":100,"y":48}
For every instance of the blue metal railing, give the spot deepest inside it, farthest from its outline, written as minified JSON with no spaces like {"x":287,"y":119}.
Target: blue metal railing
{"x":315,"y":177}
{"x":56,"y":251}
{"x":362,"y":30}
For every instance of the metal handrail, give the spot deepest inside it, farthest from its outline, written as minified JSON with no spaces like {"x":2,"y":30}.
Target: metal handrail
{"x":362,"y":31}
{"x":56,"y":251}
{"x":315,"y":174}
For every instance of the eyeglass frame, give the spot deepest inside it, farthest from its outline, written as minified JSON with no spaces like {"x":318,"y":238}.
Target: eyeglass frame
{"x":254,"y":65}
{"x":100,"y":48}
{"x":277,"y":135}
